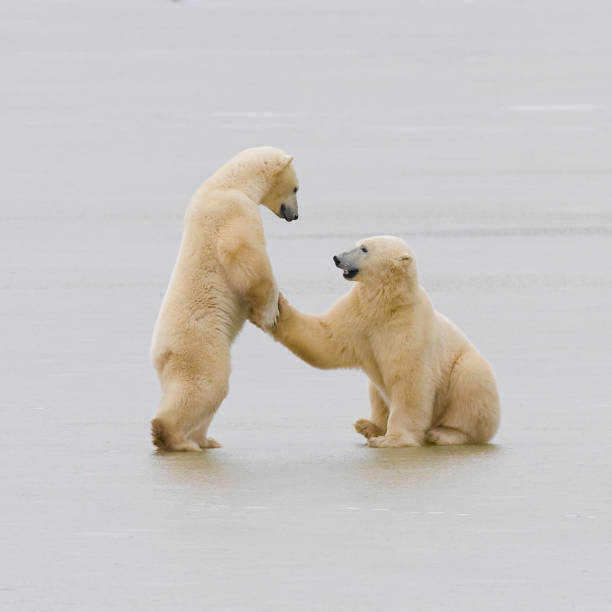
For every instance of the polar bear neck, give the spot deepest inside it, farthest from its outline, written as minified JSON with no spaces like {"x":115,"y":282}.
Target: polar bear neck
{"x":390,"y":293}
{"x":253,"y":184}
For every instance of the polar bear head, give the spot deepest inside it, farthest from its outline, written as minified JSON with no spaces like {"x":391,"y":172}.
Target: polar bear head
{"x":379,"y":259}
{"x":266,"y":175}
{"x":281,"y":195}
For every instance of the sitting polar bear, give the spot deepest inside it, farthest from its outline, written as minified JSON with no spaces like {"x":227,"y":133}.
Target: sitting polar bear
{"x":427,"y":382}
{"x":222,"y":277}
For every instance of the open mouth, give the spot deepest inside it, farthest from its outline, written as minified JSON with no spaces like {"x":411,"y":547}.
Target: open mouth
{"x":347,"y":273}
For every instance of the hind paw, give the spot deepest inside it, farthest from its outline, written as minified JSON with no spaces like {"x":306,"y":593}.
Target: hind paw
{"x":177,"y":445}
{"x":209,"y":443}
{"x":168,"y":440}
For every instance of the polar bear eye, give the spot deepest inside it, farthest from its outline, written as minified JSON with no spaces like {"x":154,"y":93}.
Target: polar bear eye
{"x":364,"y":249}
{"x":295,"y":190}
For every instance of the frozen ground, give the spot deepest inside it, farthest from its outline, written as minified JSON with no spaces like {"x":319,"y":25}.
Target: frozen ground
{"x":478,"y":131}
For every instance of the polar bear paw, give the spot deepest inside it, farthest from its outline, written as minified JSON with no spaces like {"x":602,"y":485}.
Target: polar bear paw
{"x":394,"y":441}
{"x":269,"y":316}
{"x":367,"y":429}
{"x":209,"y":443}
{"x":166,"y":439}
{"x":204,"y":442}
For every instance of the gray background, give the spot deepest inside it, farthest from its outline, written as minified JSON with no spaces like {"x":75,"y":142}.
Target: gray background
{"x":478,"y":131}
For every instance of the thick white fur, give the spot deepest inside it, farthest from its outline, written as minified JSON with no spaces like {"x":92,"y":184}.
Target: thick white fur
{"x":427,"y":382}
{"x":222,"y":277}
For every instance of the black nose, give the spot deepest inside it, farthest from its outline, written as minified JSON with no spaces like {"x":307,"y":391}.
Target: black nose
{"x":296,"y":217}
{"x":336,"y":260}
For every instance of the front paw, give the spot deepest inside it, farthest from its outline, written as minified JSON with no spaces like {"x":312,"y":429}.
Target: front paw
{"x":394,"y":441}
{"x":367,"y":429}
{"x":269,"y":316}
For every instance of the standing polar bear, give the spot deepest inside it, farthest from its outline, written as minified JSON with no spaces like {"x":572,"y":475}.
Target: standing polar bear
{"x":222,"y":277}
{"x":427,"y":382}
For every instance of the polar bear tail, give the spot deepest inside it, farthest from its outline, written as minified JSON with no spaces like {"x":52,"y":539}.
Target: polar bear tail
{"x":159,"y":434}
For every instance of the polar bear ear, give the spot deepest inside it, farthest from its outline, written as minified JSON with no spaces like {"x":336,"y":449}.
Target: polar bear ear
{"x":286,"y":161}
{"x":401,"y":264}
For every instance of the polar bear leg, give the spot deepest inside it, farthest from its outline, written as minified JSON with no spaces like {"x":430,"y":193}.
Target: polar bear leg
{"x":379,"y":414}
{"x":185,"y":407}
{"x":379,"y":411}
{"x":190,"y":400}
{"x":472,"y":415}
{"x":409,"y":413}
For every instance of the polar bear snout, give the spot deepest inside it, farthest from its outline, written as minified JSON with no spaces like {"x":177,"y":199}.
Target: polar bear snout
{"x":343,"y":261}
{"x":288,"y":213}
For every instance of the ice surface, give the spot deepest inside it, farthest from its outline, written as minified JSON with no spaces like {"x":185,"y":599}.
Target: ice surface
{"x":478,"y":131}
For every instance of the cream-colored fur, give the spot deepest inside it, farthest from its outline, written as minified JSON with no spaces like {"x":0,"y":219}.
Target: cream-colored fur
{"x":222,"y":277}
{"x":427,"y":382}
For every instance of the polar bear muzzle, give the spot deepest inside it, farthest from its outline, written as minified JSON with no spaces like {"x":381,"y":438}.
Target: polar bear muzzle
{"x":288,"y":213}
{"x":345,"y":263}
